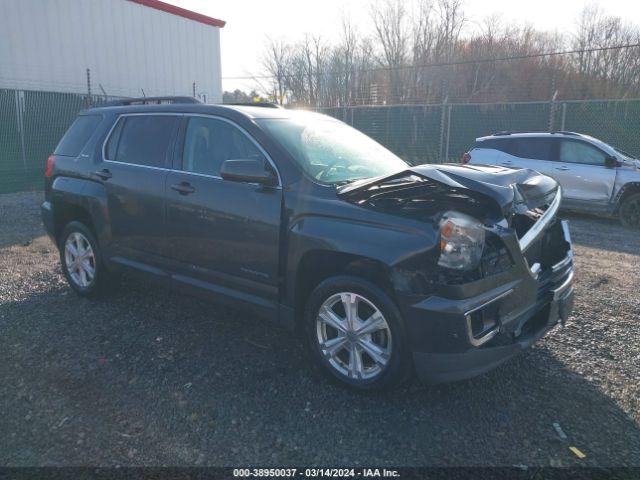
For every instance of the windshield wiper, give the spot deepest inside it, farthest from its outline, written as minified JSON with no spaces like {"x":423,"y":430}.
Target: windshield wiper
{"x":343,"y":182}
{"x":347,"y":182}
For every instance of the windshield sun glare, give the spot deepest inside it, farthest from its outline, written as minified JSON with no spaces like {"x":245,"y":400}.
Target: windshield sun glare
{"x":331,"y":151}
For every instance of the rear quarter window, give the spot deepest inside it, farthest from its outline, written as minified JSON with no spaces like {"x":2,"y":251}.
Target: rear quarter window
{"x":77,"y":136}
{"x":501,"y":144}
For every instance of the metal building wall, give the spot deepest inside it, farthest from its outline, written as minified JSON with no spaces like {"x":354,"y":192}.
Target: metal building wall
{"x":49,"y":44}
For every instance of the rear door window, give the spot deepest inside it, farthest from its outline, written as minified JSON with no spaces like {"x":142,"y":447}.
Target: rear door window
{"x":142,"y":140}
{"x":533,"y":148}
{"x":77,"y":136}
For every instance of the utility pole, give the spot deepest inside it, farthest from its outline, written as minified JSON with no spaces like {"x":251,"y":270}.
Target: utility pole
{"x":89,"y":102}
{"x":552,"y":110}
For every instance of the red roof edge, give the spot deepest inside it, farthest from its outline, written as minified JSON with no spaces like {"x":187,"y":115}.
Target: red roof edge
{"x":181,"y":12}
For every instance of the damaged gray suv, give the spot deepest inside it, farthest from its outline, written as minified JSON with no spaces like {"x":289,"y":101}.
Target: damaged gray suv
{"x":385,"y":269}
{"x":595,"y":177}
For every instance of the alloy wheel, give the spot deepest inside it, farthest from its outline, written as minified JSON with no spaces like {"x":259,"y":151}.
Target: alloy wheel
{"x":354,"y":336}
{"x":80,"y":260}
{"x":631,"y":212}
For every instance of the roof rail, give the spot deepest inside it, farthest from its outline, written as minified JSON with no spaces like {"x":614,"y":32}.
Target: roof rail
{"x":575,"y":134}
{"x":150,"y":101}
{"x":255,"y":104}
{"x":513,"y":132}
{"x":561,"y":132}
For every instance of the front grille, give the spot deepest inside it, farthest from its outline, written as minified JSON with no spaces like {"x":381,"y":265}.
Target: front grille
{"x":553,"y":278}
{"x":549,"y":248}
{"x":553,"y":253}
{"x":522,"y":222}
{"x":532,"y":223}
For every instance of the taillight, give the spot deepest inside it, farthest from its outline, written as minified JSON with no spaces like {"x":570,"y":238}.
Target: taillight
{"x":51,"y":162}
{"x":466,"y":158}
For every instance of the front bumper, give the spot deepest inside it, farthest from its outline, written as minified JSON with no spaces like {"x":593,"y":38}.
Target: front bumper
{"x":443,"y":367}
{"x":522,"y":310}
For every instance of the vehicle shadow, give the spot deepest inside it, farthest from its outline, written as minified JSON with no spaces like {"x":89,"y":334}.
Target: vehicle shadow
{"x":602,"y":233}
{"x":20,"y":218}
{"x":151,"y":378}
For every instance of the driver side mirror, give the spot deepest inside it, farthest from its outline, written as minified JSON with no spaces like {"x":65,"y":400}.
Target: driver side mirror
{"x":610,"y":161}
{"x":250,"y":171}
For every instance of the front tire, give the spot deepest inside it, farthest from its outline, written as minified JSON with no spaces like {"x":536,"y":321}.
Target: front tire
{"x":81,"y":261}
{"x":356,"y":334}
{"x":629,"y":212}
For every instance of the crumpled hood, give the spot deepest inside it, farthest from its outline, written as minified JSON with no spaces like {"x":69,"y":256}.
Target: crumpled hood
{"x":508,"y":187}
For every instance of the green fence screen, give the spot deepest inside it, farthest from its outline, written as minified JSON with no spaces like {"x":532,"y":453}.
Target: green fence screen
{"x":31,"y":124}
{"x":442,"y":133}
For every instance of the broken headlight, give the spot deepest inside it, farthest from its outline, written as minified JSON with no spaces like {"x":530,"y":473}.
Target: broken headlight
{"x":461,"y":241}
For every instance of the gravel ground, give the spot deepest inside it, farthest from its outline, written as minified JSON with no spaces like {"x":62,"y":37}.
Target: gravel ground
{"x":148,"y":378}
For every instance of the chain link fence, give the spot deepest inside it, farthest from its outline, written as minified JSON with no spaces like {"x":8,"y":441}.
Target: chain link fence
{"x":443,"y":132}
{"x":32,"y":123}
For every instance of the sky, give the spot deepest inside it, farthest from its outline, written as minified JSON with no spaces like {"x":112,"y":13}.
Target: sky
{"x":251,"y":22}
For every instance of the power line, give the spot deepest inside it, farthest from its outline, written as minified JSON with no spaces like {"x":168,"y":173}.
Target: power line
{"x":461,"y":62}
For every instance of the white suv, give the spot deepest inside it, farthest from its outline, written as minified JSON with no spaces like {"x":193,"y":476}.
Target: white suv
{"x":595,"y":177}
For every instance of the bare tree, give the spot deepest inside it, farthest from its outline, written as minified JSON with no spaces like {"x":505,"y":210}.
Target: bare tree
{"x":606,"y":69}
{"x":451,"y":20}
{"x":423,"y":51}
{"x":315,"y":52}
{"x":338,"y":76}
{"x":422,"y":44}
{"x":390,"y":22}
{"x":276,"y":63}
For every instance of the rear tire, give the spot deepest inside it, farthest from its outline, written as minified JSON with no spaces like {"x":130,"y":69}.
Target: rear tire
{"x":81,"y":261}
{"x":629,"y":213}
{"x":369,"y":352}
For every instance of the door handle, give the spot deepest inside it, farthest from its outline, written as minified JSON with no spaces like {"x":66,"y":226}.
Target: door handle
{"x":183,"y":188}
{"x":104,"y":174}
{"x":562,"y":168}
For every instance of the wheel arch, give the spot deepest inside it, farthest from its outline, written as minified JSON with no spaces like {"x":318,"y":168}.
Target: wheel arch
{"x":319,"y":247}
{"x":627,"y":190}
{"x":66,"y":212}
{"x":317,"y":266}
{"x":83,"y":201}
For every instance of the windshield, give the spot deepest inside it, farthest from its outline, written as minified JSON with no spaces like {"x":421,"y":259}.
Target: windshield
{"x":331,"y":151}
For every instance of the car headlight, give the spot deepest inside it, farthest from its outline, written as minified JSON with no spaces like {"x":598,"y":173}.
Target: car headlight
{"x":461,"y":241}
